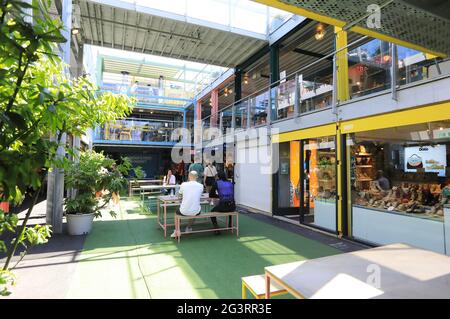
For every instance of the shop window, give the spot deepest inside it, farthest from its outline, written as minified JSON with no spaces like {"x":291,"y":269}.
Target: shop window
{"x":289,"y":175}
{"x":369,"y":68}
{"x":319,"y":159}
{"x":400,"y":184}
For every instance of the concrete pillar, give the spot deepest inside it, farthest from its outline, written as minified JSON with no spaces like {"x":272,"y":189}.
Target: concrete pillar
{"x":55,"y":184}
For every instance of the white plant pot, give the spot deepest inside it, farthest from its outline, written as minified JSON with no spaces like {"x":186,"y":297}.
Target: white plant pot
{"x":79,"y":224}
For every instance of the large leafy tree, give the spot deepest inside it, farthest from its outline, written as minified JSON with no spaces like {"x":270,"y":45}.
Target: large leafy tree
{"x":38,"y":100}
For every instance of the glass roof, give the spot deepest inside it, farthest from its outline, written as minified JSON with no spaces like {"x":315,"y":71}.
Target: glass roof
{"x":234,"y":14}
{"x":192,"y":74}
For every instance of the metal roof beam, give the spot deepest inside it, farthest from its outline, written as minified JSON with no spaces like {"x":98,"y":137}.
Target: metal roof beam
{"x":113,"y":15}
{"x":90,"y":22}
{"x":97,"y":21}
{"x":180,"y":18}
{"x":129,"y":25}
{"x":124,"y":29}
{"x":149,"y":25}
{"x":136,"y":31}
{"x":312,"y":54}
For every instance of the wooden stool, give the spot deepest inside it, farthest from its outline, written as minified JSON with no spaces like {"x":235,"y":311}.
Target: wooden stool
{"x":257,"y":286}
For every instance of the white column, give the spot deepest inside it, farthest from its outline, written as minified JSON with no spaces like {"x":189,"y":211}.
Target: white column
{"x":55,"y":184}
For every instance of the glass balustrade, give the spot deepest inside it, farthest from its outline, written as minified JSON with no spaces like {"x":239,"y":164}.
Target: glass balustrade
{"x":316,"y":91}
{"x":226,"y":117}
{"x":241,"y":115}
{"x":369,"y":68}
{"x":258,"y":109}
{"x":137,"y":130}
{"x":285,"y":98}
{"x":414,"y":66}
{"x":151,"y":94}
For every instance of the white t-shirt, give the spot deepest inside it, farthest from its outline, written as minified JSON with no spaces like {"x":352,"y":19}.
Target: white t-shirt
{"x":210,"y":171}
{"x":172,"y":180}
{"x":191,"y":191}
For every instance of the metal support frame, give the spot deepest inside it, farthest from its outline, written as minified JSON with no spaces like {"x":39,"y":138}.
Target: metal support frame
{"x":394,"y":70}
{"x":274,"y":67}
{"x":297,"y":96}
{"x":248,"y":113}
{"x":334,"y":94}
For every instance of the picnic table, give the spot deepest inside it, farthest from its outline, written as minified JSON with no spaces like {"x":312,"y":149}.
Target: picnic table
{"x":140,"y":182}
{"x":391,"y":271}
{"x":173,"y":201}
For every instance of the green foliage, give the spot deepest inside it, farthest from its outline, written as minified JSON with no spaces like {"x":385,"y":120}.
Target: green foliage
{"x":96,"y":178}
{"x":38,"y":101}
{"x":6,"y":278}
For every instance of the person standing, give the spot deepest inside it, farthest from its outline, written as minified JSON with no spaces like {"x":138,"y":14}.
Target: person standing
{"x":209,"y":174}
{"x":191,"y":193}
{"x":197,"y":167}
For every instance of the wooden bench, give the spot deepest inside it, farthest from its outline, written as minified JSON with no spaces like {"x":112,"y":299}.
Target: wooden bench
{"x":257,"y":286}
{"x":232,"y":227}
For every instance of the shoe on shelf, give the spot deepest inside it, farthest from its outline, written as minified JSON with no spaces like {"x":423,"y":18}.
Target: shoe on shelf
{"x":174,"y":234}
{"x":188,"y":229}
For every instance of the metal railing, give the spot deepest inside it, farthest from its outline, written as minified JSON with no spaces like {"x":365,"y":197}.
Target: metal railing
{"x":151,"y":95}
{"x":308,"y":90}
{"x":138,"y":131}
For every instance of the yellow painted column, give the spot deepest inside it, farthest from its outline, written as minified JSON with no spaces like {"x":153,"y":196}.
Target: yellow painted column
{"x":343,"y":93}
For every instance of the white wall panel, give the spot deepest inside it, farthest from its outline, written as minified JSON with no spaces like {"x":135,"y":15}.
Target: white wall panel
{"x":253,"y":186}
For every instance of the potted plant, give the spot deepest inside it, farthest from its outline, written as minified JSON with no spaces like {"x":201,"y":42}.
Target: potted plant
{"x":96,"y":180}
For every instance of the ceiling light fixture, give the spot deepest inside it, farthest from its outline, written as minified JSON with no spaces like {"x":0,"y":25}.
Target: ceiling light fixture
{"x":320,"y":32}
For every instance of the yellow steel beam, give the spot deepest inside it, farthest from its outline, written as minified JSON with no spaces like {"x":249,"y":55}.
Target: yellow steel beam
{"x":343,"y":93}
{"x":422,"y":114}
{"x":339,"y":23}
{"x":318,"y":131}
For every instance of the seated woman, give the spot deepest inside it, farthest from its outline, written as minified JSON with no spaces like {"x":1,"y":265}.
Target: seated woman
{"x":169,"y":179}
{"x":223,"y":189}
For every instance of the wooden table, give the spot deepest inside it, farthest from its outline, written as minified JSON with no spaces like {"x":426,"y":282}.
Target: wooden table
{"x":173,"y":201}
{"x":142,"y":181}
{"x":154,"y":190}
{"x":388,"y":272}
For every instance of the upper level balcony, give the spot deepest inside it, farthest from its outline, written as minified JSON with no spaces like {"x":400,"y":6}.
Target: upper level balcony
{"x":148,"y":132}
{"x":374,"y":68}
{"x":159,"y":114}
{"x":153,"y":97}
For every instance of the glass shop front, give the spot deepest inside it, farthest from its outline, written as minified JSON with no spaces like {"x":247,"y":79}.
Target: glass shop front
{"x":399,"y":184}
{"x":306,"y":182}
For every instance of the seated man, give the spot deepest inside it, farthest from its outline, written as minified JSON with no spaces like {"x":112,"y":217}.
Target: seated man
{"x":224,"y":188}
{"x":191,"y":192}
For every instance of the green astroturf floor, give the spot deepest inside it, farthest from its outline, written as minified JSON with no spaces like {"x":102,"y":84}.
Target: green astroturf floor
{"x":128,"y":257}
